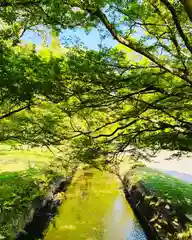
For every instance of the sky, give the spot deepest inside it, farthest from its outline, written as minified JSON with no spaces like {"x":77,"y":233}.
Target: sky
{"x":91,"y":40}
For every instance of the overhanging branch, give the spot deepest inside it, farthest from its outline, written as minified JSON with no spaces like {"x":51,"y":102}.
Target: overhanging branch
{"x":177,"y":24}
{"x":117,"y":129}
{"x":14,"y":111}
{"x":136,"y":47}
{"x":188,"y":8}
{"x":22,"y":3}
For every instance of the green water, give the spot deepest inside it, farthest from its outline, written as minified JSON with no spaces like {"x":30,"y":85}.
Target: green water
{"x":95,"y":209}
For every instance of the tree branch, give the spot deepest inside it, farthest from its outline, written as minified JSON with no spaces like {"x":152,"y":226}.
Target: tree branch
{"x":15,"y":111}
{"x":177,"y":24}
{"x":186,"y":124}
{"x":136,"y":47}
{"x":11,"y":4}
{"x":173,"y":37}
{"x":188,"y":8}
{"x":117,"y":129}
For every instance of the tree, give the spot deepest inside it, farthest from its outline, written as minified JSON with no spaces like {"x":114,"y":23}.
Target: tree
{"x":136,"y":94}
{"x":27,"y":75}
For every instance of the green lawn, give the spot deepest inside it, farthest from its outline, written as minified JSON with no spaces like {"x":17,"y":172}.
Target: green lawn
{"x":17,"y":160}
{"x":164,"y":186}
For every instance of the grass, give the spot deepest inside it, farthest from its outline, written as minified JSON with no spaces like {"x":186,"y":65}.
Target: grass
{"x":23,"y":178}
{"x":18,"y":191}
{"x":164,"y":186}
{"x":17,"y":160}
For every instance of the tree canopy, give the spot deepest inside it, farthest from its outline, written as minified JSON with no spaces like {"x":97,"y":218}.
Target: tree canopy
{"x":137,"y":93}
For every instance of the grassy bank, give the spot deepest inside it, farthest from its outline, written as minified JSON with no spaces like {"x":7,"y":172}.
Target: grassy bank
{"x":164,"y":203}
{"x":18,"y":191}
{"x":24,"y":177}
{"x":177,"y":192}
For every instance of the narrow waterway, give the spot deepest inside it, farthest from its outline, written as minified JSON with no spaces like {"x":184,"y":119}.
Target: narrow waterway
{"x":95,"y":209}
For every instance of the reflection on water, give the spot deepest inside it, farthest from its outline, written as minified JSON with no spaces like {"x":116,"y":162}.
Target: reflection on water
{"x":95,"y":209}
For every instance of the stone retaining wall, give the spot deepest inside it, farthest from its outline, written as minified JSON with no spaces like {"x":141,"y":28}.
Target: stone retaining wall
{"x":43,"y":211}
{"x":158,"y":217}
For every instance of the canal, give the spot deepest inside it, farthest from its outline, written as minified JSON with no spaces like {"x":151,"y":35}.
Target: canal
{"x":94,"y":209}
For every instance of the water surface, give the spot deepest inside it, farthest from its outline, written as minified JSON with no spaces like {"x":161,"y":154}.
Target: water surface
{"x":95,"y":209}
